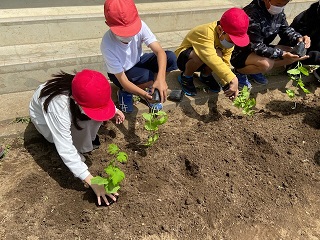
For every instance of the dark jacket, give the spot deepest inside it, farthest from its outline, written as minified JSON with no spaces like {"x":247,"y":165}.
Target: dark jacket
{"x":263,"y":28}
{"x":308,"y":23}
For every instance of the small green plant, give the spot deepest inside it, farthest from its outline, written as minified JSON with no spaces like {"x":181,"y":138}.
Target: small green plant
{"x":5,"y":151}
{"x":115,"y":174}
{"x":244,"y":102}
{"x":24,"y":120}
{"x":136,"y":99}
{"x":153,"y":120}
{"x":295,"y":74}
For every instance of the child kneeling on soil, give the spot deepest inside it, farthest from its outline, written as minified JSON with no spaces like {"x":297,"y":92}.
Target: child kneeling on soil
{"x":207,"y":49}
{"x":128,"y":68}
{"x":68,"y":111}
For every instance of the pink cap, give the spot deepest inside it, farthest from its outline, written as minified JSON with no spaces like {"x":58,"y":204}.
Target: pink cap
{"x":92,"y":91}
{"x":122,"y":17}
{"x":235,"y":23}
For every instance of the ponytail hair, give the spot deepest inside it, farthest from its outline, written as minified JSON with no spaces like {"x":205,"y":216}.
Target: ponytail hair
{"x":60,"y":84}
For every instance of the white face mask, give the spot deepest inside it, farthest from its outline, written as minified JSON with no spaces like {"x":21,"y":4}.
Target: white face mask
{"x":274,"y":10}
{"x":225,"y":43}
{"x":124,"y":39}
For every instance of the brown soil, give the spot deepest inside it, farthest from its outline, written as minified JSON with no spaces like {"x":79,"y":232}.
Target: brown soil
{"x":213,"y":174}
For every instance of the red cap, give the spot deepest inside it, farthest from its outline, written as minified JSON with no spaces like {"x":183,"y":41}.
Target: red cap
{"x":92,"y":91}
{"x":122,"y":17}
{"x":235,"y":23}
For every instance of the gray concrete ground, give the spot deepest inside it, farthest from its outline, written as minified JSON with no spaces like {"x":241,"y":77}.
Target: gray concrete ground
{"x":12,"y":4}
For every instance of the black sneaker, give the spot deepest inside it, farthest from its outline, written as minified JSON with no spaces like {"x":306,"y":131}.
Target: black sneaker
{"x":210,"y":82}
{"x":187,"y":85}
{"x":96,"y":142}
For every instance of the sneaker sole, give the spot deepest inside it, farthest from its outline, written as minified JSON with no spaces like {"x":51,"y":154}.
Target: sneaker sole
{"x":260,"y":82}
{"x":185,"y":92}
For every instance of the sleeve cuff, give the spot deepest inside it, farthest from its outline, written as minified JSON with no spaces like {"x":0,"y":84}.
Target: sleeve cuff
{"x":83,"y":175}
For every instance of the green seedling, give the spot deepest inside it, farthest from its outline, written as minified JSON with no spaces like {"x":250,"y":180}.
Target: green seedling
{"x":114,"y":174}
{"x":153,"y":121}
{"x":135,"y":99}
{"x":5,"y":151}
{"x":295,"y":75}
{"x":244,"y":102}
{"x":24,"y":120}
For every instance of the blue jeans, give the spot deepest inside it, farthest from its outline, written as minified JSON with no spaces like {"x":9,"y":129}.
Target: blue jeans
{"x":144,"y":70}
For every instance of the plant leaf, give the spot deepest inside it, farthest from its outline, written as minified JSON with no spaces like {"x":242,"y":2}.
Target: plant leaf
{"x":111,"y":188}
{"x":161,"y":113}
{"x":122,"y":157}
{"x":99,"y":180}
{"x":294,"y":71}
{"x":304,"y":71}
{"x":304,"y":89}
{"x":147,"y":116}
{"x":155,"y":137}
{"x":115,"y":174}
{"x":151,"y":126}
{"x":162,"y":120}
{"x":290,"y":93}
{"x":112,"y":148}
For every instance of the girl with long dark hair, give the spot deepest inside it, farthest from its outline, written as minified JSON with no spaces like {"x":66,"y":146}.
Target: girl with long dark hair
{"x":68,"y":111}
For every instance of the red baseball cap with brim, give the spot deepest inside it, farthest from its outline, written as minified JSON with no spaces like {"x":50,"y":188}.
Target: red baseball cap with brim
{"x":92,"y":92}
{"x":122,"y":17}
{"x":235,"y":23}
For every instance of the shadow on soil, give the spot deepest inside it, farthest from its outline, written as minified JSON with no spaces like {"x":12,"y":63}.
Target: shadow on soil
{"x":46,"y":156}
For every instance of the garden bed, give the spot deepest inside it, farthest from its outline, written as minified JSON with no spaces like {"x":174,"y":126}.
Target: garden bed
{"x":213,"y":174}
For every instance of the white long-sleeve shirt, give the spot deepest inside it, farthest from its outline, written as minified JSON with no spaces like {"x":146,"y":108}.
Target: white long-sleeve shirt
{"x":55,"y":126}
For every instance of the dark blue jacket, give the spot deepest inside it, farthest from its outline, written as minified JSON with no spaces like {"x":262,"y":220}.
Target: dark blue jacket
{"x":263,"y":28}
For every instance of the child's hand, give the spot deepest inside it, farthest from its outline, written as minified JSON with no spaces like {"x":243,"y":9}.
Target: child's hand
{"x":119,"y":117}
{"x":100,"y":192}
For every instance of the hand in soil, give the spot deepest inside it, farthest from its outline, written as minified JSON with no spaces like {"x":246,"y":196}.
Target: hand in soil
{"x":100,"y":191}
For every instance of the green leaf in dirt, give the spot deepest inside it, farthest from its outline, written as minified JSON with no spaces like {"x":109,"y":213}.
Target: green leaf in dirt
{"x":290,"y":93}
{"x":122,"y":157}
{"x":152,"y":123}
{"x":151,"y":126}
{"x":112,"y":148}
{"x":295,"y":74}
{"x":147,"y":116}
{"x":303,"y":70}
{"x":294,"y":71}
{"x":115,"y":174}
{"x":99,"y":180}
{"x":111,"y":188}
{"x":244,"y":101}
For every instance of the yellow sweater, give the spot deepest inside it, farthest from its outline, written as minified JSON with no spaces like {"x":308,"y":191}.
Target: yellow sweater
{"x":204,"y":40}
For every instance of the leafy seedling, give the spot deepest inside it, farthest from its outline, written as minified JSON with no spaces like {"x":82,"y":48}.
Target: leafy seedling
{"x":153,"y":120}
{"x":136,"y":99}
{"x":24,"y":120}
{"x":244,"y":102}
{"x":295,"y":74}
{"x":114,"y":174}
